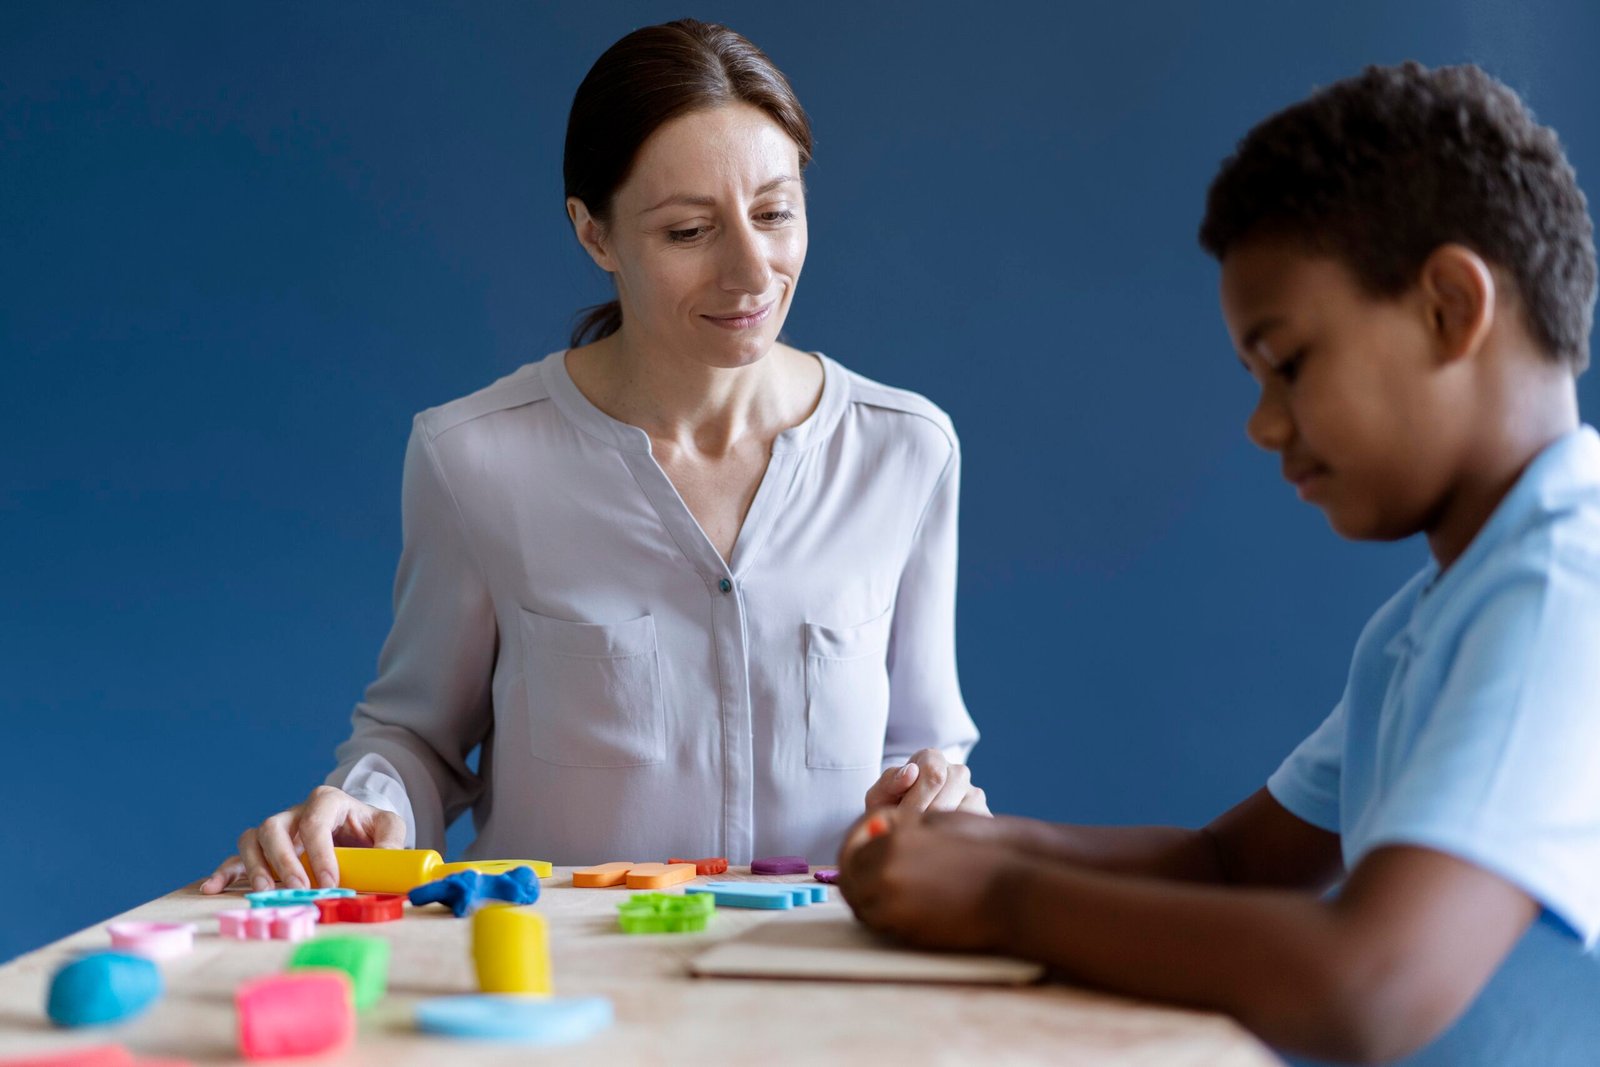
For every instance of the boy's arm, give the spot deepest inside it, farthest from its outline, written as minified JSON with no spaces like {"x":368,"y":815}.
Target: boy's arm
{"x":1375,"y":973}
{"x":1257,"y":843}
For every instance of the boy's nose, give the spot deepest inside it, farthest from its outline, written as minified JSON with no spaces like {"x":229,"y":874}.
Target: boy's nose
{"x":1269,"y":426}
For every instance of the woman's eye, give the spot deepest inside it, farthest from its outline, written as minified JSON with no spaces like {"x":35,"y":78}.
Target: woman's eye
{"x":777,"y":216}
{"x":686,"y":235}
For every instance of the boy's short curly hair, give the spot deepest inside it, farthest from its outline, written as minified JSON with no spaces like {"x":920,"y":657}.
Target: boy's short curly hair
{"x":1381,"y":169}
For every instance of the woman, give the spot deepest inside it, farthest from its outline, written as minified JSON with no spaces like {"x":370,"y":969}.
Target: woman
{"x":690,"y":588}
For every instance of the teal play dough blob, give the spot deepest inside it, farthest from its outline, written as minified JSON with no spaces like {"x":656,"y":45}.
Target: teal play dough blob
{"x":102,"y":987}
{"x":512,"y":1018}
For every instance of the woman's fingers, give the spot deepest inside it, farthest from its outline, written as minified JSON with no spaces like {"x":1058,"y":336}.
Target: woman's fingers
{"x":388,"y":829}
{"x":223,"y":876}
{"x":957,"y":782}
{"x":256,"y":870}
{"x":933,"y":771}
{"x":976,"y":802}
{"x":275,"y":838}
{"x":892,"y":785}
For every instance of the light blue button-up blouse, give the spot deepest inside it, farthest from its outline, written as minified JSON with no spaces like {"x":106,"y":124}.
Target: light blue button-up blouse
{"x":636,"y":696}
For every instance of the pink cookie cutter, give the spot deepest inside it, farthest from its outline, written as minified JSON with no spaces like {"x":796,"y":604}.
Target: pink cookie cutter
{"x":153,"y":941}
{"x":259,"y":924}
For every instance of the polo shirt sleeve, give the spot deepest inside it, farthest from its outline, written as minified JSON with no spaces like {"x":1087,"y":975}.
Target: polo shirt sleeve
{"x":1503,"y":768}
{"x":1307,"y":783}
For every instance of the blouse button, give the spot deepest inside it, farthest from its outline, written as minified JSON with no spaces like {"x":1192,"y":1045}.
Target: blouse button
{"x":725,"y":585}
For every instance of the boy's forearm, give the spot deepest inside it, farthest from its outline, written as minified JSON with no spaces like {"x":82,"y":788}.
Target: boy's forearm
{"x":1273,"y":959}
{"x":1167,"y":852}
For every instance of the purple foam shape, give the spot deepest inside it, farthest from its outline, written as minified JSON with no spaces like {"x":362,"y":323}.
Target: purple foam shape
{"x":829,"y":875}
{"x":781,"y":865}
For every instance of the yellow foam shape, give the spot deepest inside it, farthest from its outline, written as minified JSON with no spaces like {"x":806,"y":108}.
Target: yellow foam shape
{"x":542,"y":868}
{"x":383,"y":870}
{"x":606,"y":874}
{"x":511,"y":950}
{"x":659,"y":875}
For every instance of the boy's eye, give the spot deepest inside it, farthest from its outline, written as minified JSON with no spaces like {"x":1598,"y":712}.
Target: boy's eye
{"x":1289,"y":369}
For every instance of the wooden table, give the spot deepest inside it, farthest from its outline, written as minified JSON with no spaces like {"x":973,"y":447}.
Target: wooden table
{"x":661,"y":1011}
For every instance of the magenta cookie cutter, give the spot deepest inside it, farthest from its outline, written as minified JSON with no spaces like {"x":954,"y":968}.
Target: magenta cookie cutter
{"x":153,"y":941}
{"x":261,"y":924}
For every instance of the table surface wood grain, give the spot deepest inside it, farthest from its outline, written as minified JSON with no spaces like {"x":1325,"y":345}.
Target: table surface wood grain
{"x":661,"y":1010}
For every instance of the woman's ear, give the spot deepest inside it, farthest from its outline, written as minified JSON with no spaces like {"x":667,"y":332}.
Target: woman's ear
{"x":1459,"y":290}
{"x":591,"y":234}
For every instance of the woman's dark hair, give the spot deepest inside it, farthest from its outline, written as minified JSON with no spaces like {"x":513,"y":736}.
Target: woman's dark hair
{"x":644,"y":81}
{"x":1381,"y":169}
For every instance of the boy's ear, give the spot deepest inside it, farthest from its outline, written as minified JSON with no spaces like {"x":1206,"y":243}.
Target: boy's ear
{"x":591,"y":234}
{"x":1459,"y":293}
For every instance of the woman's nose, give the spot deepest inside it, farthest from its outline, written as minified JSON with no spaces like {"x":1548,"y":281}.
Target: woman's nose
{"x":744,"y":265}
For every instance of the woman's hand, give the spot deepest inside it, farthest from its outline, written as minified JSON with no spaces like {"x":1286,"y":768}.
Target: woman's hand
{"x":928,"y":782}
{"x":328,"y":817}
{"x":925,"y":881}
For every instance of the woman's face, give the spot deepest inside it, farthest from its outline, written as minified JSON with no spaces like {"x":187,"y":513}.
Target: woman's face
{"x":706,"y":237}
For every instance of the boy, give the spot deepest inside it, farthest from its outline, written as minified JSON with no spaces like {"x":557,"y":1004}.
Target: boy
{"x":1408,"y":272}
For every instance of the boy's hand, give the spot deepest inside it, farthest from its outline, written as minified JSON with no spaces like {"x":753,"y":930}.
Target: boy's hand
{"x":328,"y":817}
{"x":928,"y":782}
{"x":928,"y":885}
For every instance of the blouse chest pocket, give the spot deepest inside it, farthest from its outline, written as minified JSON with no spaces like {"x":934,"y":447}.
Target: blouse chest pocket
{"x":594,"y":692}
{"x":847,"y":694}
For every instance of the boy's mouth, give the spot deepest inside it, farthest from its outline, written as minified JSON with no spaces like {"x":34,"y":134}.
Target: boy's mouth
{"x":1305,"y":477}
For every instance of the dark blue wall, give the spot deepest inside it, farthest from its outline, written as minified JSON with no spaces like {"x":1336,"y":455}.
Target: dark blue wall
{"x":241,"y":245}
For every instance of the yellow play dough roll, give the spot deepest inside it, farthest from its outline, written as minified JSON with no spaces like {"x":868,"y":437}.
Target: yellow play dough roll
{"x":511,"y":949}
{"x":384,"y":870}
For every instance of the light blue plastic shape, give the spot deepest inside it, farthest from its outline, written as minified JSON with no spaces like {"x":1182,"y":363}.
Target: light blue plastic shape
{"x":762,"y":894}
{"x":535,"y":1020}
{"x":288,"y":898}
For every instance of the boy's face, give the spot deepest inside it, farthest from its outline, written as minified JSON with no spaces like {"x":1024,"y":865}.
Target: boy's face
{"x":1351,"y":397}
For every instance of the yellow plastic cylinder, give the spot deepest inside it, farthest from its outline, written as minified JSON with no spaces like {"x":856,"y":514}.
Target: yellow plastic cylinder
{"x":383,"y":870}
{"x":511,"y":949}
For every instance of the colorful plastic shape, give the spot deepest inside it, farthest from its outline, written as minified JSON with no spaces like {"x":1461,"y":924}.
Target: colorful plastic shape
{"x":261,"y":924}
{"x":153,"y":941}
{"x":877,"y":826}
{"x":763,"y":895}
{"x":542,"y":868}
{"x":666,"y":913}
{"x":361,"y":908}
{"x":89,"y":1056}
{"x":466,"y":891}
{"x":827,"y":875}
{"x":102,"y":987}
{"x":743,"y":895}
{"x":713,"y":865}
{"x":781,"y":865}
{"x":400,"y":870}
{"x":511,"y":949}
{"x":285,"y":898}
{"x":304,"y":1013}
{"x":364,"y":959}
{"x":602,"y":877}
{"x":659,"y":875}
{"x":559,"y":1020}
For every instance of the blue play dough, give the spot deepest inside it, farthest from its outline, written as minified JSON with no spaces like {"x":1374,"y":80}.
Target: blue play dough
{"x":515,"y":1018}
{"x":102,"y":987}
{"x":465,"y":890}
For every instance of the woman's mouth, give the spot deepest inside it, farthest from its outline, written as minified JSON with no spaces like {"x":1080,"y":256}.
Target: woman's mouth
{"x":741,"y":320}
